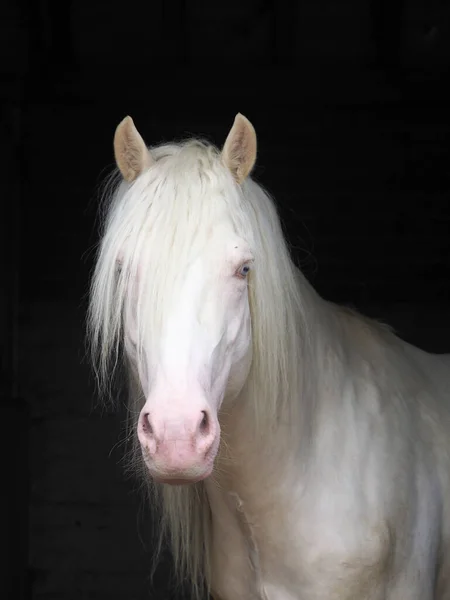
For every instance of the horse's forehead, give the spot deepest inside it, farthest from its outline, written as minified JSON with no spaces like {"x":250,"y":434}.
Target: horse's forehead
{"x":214,"y":245}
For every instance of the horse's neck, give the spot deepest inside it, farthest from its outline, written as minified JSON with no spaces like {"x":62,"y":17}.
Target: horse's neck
{"x":261,"y":475}
{"x":261,"y":459}
{"x":257,"y":452}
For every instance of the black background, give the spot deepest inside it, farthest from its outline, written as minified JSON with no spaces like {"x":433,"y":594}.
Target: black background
{"x":350,"y":103}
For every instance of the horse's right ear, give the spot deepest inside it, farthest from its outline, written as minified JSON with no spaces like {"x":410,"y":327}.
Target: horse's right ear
{"x":239,"y":150}
{"x":131,"y":154}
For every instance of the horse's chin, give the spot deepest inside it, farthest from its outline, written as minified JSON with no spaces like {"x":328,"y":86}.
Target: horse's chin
{"x":179,"y":482}
{"x":179,"y":479}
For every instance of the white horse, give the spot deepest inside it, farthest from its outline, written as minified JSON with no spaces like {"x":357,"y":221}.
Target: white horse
{"x":298,"y":450}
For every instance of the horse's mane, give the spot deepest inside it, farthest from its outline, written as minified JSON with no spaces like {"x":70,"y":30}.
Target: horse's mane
{"x":189,"y":191}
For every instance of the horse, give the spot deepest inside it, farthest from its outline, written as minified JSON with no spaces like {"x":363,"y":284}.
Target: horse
{"x":296,"y":450}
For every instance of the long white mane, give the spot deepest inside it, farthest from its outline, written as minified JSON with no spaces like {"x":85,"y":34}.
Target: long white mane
{"x":150,"y":227}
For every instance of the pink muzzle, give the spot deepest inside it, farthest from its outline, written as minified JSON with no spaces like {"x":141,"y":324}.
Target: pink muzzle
{"x":179,"y":447}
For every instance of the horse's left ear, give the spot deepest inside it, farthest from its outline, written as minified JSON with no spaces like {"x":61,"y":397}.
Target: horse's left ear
{"x":131,"y":153}
{"x":239,"y":150}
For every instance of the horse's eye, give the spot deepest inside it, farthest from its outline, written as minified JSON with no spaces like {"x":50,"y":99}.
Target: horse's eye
{"x":243,"y":271}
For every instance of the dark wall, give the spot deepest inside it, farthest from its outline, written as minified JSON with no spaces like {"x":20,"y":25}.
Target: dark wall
{"x":351,"y":111}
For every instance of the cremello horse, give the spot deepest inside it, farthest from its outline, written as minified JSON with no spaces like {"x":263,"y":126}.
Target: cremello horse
{"x":298,"y":450}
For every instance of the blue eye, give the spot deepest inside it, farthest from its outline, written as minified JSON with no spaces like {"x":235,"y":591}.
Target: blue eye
{"x":244,"y":271}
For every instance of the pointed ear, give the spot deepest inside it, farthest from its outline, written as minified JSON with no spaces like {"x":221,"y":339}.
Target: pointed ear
{"x":131,"y":153}
{"x":239,"y":150}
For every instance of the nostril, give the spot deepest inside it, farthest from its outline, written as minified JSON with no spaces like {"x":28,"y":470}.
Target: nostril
{"x":146,"y":434}
{"x":206,"y":433}
{"x":204,"y":423}
{"x":146,"y":427}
